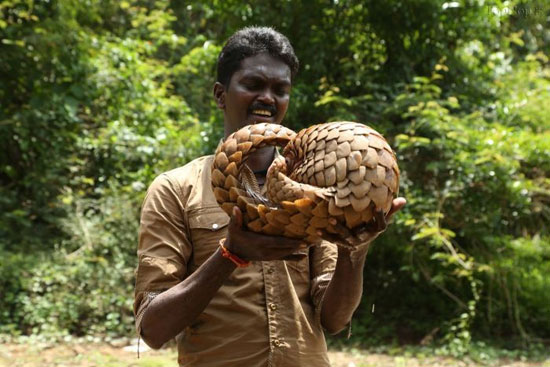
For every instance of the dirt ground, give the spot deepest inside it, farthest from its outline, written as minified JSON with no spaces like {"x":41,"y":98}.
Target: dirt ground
{"x":105,"y":355}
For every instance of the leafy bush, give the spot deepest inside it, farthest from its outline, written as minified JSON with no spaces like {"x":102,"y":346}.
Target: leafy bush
{"x":85,"y":290}
{"x":82,"y":146}
{"x":474,"y":227}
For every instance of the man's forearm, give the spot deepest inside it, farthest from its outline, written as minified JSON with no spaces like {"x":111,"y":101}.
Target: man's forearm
{"x":175,"y":309}
{"x":344,"y":291}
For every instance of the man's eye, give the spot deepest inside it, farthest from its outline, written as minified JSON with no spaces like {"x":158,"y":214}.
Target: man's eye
{"x":253,"y":85}
{"x":281,"y":92}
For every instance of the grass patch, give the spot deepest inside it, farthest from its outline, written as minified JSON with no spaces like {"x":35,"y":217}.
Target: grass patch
{"x":83,"y":353}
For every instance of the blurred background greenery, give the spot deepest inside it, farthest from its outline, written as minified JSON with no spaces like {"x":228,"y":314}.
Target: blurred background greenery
{"x":99,"y":96}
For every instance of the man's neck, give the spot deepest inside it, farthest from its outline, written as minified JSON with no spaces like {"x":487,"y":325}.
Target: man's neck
{"x":260,"y":160}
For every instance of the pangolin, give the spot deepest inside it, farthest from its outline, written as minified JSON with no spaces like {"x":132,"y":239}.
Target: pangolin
{"x":337,"y":172}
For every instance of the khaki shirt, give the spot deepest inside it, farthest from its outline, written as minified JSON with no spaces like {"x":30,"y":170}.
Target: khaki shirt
{"x":267,"y":314}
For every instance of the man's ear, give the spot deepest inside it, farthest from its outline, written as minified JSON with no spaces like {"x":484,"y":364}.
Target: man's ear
{"x":219,"y":95}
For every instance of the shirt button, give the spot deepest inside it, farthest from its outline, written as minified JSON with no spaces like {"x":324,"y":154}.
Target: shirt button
{"x":276,"y":343}
{"x":272,"y":306}
{"x":215,"y":226}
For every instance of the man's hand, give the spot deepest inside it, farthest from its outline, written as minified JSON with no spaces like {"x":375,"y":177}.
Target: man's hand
{"x":254,"y":246}
{"x":343,"y":293}
{"x":362,"y":236}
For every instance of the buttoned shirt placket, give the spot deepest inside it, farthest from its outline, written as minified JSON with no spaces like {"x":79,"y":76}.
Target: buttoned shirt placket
{"x":277,"y":343}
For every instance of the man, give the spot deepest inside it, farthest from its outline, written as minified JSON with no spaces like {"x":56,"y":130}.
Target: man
{"x":273,"y":311}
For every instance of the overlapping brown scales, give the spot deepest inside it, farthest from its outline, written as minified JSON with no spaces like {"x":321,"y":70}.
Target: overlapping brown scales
{"x":330,"y":174}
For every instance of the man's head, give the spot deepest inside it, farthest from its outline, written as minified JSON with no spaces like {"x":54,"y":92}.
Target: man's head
{"x":255,"y":71}
{"x":251,"y":41}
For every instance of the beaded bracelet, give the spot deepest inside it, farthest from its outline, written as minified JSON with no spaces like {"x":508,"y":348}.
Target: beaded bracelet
{"x":234,"y":258}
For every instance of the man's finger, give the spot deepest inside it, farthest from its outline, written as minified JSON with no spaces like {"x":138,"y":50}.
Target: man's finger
{"x":280,"y":242}
{"x":397,"y":205}
{"x":379,"y":221}
{"x":342,"y":230}
{"x":237,"y":217}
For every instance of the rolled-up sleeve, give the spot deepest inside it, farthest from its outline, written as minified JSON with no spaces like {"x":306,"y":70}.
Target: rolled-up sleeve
{"x":323,"y":262}
{"x":164,"y":249}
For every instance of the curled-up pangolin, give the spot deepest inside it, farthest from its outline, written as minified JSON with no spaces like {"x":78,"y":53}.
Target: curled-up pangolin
{"x":338,"y":172}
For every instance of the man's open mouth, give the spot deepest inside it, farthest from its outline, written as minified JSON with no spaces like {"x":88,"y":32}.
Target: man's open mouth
{"x":262,"y":110}
{"x":265,"y":113}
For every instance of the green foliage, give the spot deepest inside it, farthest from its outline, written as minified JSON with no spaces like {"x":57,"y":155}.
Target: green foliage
{"x":78,"y":290}
{"x":87,"y":122}
{"x":100,"y":97}
{"x":484,"y":178}
{"x":85,"y":291}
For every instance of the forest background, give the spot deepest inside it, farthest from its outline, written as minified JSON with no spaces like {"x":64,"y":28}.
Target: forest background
{"x":100,"y":96}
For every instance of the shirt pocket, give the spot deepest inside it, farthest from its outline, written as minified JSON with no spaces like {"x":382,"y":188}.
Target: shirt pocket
{"x":299,"y":269}
{"x":206,"y":227}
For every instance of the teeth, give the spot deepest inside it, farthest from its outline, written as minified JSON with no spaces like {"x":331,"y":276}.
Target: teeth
{"x":262,"y":112}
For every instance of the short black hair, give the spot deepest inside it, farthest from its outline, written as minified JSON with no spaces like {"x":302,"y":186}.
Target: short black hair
{"x":251,"y":41}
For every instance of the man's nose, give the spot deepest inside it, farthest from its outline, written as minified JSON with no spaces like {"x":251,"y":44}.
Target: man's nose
{"x":267,"y":97}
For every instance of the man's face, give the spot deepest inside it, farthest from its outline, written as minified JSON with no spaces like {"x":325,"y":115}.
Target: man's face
{"x":258,"y":92}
